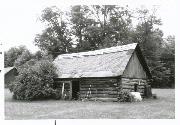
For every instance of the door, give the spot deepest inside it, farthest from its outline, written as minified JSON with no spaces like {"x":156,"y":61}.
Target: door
{"x":75,"y":90}
{"x":135,"y":87}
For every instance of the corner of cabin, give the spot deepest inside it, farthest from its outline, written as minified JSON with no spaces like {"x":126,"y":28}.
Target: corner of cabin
{"x":135,"y":76}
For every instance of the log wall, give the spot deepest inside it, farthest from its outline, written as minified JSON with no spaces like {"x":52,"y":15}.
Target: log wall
{"x":104,"y":87}
{"x":128,"y":84}
{"x":99,"y":88}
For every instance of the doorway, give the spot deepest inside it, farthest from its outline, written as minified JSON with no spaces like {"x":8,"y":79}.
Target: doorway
{"x":135,"y":87}
{"x":75,"y":89}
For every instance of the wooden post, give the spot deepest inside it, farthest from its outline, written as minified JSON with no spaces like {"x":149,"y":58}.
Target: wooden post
{"x":62,"y":91}
{"x":70,"y":92}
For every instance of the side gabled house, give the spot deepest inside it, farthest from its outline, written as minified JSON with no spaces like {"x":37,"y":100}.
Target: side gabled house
{"x":102,"y":73}
{"x":9,"y":75}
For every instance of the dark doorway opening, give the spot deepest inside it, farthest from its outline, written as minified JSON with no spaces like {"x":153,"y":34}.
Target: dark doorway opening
{"x":135,"y":87}
{"x":75,"y":90}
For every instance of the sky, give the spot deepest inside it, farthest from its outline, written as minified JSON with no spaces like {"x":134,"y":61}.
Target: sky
{"x":19,"y":18}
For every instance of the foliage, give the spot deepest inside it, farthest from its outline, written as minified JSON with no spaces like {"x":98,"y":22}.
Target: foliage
{"x":125,"y":96}
{"x":12,"y":54}
{"x":100,"y":26}
{"x":35,"y":81}
{"x":149,"y":37}
{"x":38,"y":55}
{"x":23,"y":58}
{"x":165,"y":71}
{"x":85,"y":28}
{"x":54,"y":39}
{"x":154,"y":47}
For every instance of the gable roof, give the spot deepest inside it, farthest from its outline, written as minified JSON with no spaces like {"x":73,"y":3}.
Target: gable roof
{"x":109,"y":62}
{"x":7,"y":69}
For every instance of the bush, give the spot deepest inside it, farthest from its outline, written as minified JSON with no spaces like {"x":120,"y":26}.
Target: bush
{"x":35,"y":82}
{"x":125,"y":96}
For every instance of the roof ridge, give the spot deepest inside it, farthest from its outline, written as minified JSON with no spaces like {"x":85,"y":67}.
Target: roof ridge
{"x":100,"y":51}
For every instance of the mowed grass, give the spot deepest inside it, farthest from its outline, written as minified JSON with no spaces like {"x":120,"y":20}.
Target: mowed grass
{"x":161,"y":108}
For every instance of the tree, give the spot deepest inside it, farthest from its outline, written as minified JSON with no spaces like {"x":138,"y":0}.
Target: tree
{"x":168,"y":61}
{"x":23,"y":58}
{"x":154,"y":48}
{"x":54,"y":39}
{"x":149,"y":37}
{"x":100,"y":26}
{"x":79,"y":22}
{"x":12,"y":54}
{"x":35,"y":81}
{"x":38,"y":55}
{"x":94,"y":27}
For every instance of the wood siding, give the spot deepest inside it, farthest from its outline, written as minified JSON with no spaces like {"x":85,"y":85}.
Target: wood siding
{"x":92,"y":88}
{"x":99,"y":88}
{"x":128,"y":84}
{"x":134,"y":69}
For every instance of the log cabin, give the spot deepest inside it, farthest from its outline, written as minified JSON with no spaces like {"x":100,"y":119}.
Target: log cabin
{"x":102,"y":74}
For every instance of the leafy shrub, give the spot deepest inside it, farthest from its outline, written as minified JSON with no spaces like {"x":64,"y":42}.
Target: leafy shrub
{"x":35,"y":82}
{"x":23,"y":58}
{"x":125,"y":96}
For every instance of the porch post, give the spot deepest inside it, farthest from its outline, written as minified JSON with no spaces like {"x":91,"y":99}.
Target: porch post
{"x":70,"y":92}
{"x":62,"y":91}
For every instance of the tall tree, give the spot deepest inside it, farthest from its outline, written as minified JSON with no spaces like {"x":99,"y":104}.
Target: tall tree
{"x":100,"y":26}
{"x":146,"y":34}
{"x":155,"y":48}
{"x":12,"y":54}
{"x":112,"y":25}
{"x":54,"y":39}
{"x":79,"y":23}
{"x":23,"y":58}
{"x":168,"y":61}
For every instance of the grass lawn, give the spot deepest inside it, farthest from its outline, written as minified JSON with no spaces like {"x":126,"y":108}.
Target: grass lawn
{"x":161,"y":108}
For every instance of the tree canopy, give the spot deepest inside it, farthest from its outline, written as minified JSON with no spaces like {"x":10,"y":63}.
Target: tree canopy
{"x":92,"y":27}
{"x":54,"y":39}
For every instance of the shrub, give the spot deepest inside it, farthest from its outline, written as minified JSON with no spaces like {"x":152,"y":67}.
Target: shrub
{"x":125,"y":96}
{"x":35,"y":82}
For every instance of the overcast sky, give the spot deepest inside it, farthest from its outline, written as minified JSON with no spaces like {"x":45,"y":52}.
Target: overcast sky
{"x":19,"y":24}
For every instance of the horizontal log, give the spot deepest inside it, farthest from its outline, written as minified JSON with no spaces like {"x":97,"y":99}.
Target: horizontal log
{"x":104,"y":99}
{"x":99,"y":92}
{"x":96,"y":80}
{"x":132,"y":87}
{"x":133,"y":82}
{"x":98,"y":86}
{"x":134,"y":79}
{"x":98,"y":95}
{"x":109,"y":90}
{"x":101,"y":79}
{"x":99,"y":89}
{"x":127,"y":87}
{"x":99,"y":83}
